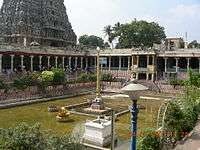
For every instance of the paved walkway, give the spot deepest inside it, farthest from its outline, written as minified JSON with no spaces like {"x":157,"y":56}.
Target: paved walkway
{"x":192,"y":142}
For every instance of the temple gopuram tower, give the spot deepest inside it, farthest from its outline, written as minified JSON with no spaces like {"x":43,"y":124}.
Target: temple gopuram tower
{"x":44,"y":22}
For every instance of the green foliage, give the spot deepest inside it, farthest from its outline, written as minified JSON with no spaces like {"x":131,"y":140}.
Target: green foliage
{"x":194,"y":79}
{"x":46,"y":77}
{"x":176,"y":82}
{"x":150,"y":141}
{"x":20,"y":83}
{"x":58,"y":76}
{"x":174,"y":120}
{"x":194,"y":44}
{"x":25,"y":81}
{"x":108,"y":31}
{"x":107,"y":77}
{"x":182,"y":114}
{"x":84,"y":77}
{"x":138,"y":34}
{"x":2,"y":84}
{"x":24,"y":137}
{"x":91,"y":41}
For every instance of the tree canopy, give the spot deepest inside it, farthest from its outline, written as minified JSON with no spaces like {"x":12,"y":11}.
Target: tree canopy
{"x":138,"y":34}
{"x":91,"y":41}
{"x":194,"y":44}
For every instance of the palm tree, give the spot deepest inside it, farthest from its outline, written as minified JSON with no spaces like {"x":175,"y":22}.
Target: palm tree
{"x":109,"y":33}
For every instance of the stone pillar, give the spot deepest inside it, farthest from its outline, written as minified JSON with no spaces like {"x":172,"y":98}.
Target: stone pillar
{"x":48,"y":61}
{"x":40,"y":62}
{"x":109,"y":65}
{"x":147,"y":60}
{"x":12,"y":62}
{"x":165,"y":64}
{"x":188,"y":64}
{"x":138,"y":60}
{"x":120,"y":62}
{"x":31,"y":63}
{"x":86,"y":63}
{"x":81,"y":62}
{"x":56,"y":61}
{"x":1,"y":63}
{"x":132,"y":68}
{"x":153,"y":60}
{"x":22,"y":62}
{"x":76,"y":62}
{"x":129,"y":59}
{"x":199,"y":65}
{"x":177,"y":65}
{"x":70,"y":63}
{"x":137,"y":76}
{"x":95,"y":62}
{"x":63,"y":63}
{"x":152,"y":76}
{"x":147,"y":76}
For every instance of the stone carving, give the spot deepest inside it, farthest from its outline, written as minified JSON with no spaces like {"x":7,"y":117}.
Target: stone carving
{"x":43,"y":21}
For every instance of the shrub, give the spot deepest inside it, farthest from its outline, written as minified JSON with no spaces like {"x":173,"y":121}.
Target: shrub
{"x":46,"y":77}
{"x":84,"y":77}
{"x":58,"y":76}
{"x":2,"y":84}
{"x":25,"y":137}
{"x":107,"y":77}
{"x":19,"y":84}
{"x":151,"y":141}
{"x":176,"y":82}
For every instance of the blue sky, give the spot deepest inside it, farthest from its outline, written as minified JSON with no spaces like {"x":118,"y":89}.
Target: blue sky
{"x":177,"y":16}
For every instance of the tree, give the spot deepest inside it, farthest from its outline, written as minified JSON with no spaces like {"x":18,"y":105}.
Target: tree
{"x":194,"y":44}
{"x":91,"y":41}
{"x":108,"y":32}
{"x":139,"y":34}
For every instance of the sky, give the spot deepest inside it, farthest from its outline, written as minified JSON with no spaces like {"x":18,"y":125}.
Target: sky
{"x":176,"y":16}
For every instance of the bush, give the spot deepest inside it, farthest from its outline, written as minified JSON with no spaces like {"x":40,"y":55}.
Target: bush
{"x":19,"y":84}
{"x":107,"y":77}
{"x":151,"y":141}
{"x":25,"y":81}
{"x":84,"y":77}
{"x":176,"y":82}
{"x":194,"y":79}
{"x":2,"y":84}
{"x":58,"y":76}
{"x":24,"y":137}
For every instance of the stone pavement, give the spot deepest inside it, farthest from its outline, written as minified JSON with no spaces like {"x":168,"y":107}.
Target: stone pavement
{"x":193,"y":141}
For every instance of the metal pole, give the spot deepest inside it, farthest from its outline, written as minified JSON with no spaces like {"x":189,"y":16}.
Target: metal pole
{"x":113,"y":131}
{"x":134,"y":112}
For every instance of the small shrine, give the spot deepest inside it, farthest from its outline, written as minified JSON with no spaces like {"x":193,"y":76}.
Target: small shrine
{"x":63,"y":115}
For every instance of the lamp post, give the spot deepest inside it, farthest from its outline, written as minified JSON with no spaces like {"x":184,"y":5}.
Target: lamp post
{"x":133,"y":91}
{"x":98,"y":73}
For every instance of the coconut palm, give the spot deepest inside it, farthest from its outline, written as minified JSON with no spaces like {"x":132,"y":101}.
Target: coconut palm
{"x":109,"y":33}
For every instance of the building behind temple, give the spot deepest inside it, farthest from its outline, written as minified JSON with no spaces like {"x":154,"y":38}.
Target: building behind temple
{"x":39,"y":22}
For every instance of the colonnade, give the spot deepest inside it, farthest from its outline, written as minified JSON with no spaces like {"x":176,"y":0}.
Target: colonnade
{"x":177,"y":61}
{"x":69,"y":63}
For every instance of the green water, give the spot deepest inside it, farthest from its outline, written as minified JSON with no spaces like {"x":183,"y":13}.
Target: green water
{"x":37,"y":113}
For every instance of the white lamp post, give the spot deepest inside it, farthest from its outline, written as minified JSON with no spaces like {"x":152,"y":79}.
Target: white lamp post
{"x":134,"y":91}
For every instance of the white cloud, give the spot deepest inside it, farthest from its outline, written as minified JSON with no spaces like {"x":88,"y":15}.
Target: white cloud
{"x":182,"y":19}
{"x":182,"y":11}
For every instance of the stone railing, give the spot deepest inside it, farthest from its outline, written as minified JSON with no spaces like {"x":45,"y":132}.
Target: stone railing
{"x":51,"y":91}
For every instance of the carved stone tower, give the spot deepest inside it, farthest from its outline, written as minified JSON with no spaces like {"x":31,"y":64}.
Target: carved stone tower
{"x":23,"y":22}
